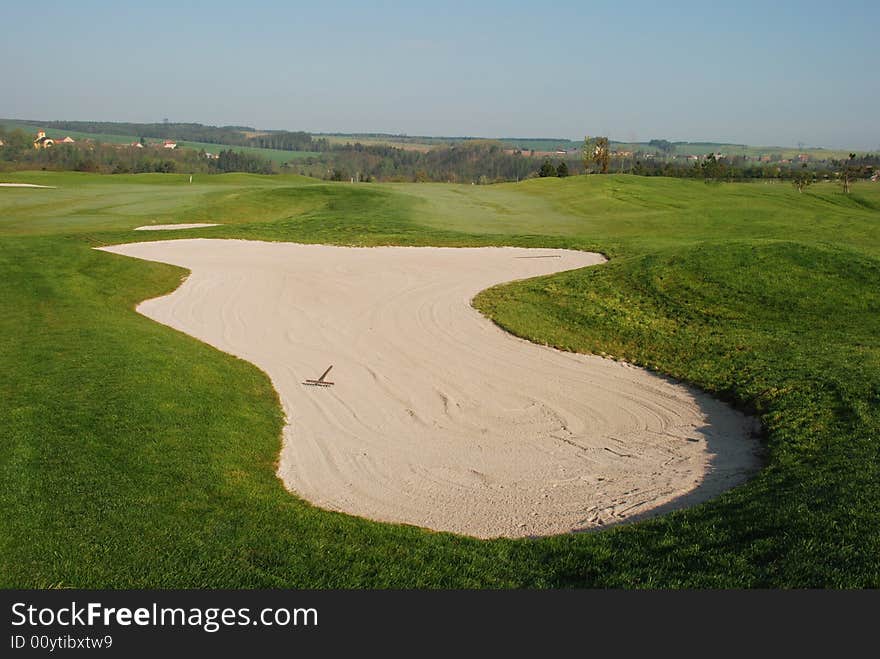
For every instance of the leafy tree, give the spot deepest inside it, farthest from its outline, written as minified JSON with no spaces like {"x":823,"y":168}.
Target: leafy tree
{"x":235,"y":161}
{"x":562,"y":169}
{"x":803,"y":178}
{"x":850,"y":171}
{"x":597,"y":150}
{"x":18,"y":143}
{"x":712,"y":169}
{"x":547,"y":169}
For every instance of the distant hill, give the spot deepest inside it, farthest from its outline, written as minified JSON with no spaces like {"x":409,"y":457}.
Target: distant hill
{"x":107,"y":147}
{"x":166,"y":130}
{"x":243,"y":136}
{"x":278,"y":156}
{"x":302,"y":142}
{"x":547,"y":145}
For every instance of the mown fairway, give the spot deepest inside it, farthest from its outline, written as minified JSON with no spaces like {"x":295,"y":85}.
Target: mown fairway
{"x":134,"y":456}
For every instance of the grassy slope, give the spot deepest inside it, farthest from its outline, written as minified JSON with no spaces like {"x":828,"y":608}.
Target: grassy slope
{"x":128,"y":459}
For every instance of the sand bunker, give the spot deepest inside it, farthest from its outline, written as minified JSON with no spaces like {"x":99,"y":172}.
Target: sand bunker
{"x":25,"y":185}
{"x":171,"y":227}
{"x":438,"y":418}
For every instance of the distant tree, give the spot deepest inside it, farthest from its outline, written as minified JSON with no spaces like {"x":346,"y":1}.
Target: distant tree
{"x":603,"y":153}
{"x":18,"y":143}
{"x":711,"y":168}
{"x":663,"y":146}
{"x":547,"y":169}
{"x":597,"y":150}
{"x":235,"y":161}
{"x":587,"y":154}
{"x":803,"y":178}
{"x":562,"y":169}
{"x":850,"y":171}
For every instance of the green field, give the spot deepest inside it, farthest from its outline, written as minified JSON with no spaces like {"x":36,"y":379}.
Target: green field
{"x":134,"y":456}
{"x":275,"y":155}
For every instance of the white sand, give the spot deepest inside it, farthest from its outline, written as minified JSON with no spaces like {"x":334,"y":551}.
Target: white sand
{"x":438,"y":418}
{"x":171,"y":227}
{"x":25,"y":185}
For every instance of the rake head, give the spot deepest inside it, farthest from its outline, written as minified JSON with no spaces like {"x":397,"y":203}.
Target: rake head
{"x":320,"y":382}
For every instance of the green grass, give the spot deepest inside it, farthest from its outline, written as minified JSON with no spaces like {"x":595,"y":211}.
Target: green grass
{"x":275,"y":155}
{"x":132,"y":455}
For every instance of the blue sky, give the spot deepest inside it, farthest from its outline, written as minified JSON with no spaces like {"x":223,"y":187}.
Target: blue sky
{"x":754,"y":72}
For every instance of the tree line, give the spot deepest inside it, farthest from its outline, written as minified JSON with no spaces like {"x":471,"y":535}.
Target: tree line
{"x":471,"y":161}
{"x":474,"y":161}
{"x":18,"y":153}
{"x":738,"y":168}
{"x":597,"y":157}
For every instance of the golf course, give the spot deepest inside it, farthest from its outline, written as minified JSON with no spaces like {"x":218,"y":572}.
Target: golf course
{"x":134,"y":455}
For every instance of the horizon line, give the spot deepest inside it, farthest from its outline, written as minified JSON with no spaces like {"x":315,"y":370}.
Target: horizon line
{"x":444,"y":137}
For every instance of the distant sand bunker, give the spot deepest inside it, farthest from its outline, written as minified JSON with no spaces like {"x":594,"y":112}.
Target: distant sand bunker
{"x":438,"y":418}
{"x":171,"y":227}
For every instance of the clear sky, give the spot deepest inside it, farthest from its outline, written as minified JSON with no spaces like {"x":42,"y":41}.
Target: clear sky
{"x":768,"y":73}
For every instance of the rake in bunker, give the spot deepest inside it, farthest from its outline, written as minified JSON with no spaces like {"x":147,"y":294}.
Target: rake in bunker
{"x":321,"y":382}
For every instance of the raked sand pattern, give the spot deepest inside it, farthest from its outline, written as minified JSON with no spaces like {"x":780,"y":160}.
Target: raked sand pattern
{"x":438,"y":418}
